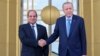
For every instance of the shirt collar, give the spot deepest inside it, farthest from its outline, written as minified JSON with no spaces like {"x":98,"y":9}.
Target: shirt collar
{"x":33,"y":25}
{"x":69,"y":17}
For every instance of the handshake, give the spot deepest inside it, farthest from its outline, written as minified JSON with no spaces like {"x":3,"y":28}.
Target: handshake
{"x":42,"y":42}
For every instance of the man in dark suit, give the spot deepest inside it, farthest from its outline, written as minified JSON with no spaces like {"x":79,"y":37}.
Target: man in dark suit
{"x":71,"y":32}
{"x":29,"y":35}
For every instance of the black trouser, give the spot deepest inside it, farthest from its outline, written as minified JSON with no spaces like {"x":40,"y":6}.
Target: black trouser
{"x":68,"y":53}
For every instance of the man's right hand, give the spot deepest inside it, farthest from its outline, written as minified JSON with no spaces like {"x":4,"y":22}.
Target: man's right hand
{"x":41,"y":42}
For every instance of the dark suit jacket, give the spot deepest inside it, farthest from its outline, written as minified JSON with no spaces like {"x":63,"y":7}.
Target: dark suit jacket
{"x":30,"y":45}
{"x":76,"y":42}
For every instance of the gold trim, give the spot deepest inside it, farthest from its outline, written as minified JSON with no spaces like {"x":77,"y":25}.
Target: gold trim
{"x":17,"y":26}
{"x":92,"y":28}
{"x":81,"y":8}
{"x":7,"y":40}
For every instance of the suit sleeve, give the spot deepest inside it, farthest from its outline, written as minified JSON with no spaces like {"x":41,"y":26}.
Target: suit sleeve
{"x":45,"y":48}
{"x":24,"y":39}
{"x":83,"y":37}
{"x":55,"y":34}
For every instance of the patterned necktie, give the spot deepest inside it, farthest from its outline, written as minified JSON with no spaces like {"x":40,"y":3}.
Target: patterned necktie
{"x":33,"y":31}
{"x":68,"y":24}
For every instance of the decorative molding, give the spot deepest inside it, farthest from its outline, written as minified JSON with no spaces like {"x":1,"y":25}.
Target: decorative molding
{"x":81,"y":6}
{"x":92,"y":28}
{"x":7,"y":39}
{"x":18,"y":16}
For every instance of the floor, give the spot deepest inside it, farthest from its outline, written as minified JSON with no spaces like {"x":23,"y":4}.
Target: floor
{"x":53,"y":54}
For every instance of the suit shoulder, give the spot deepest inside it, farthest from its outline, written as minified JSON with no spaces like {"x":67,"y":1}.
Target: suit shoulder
{"x":22,"y":25}
{"x":60,"y":18}
{"x":78,"y":17}
{"x":41,"y":26}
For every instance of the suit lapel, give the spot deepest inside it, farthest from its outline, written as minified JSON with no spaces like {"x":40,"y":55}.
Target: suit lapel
{"x":31,"y":32}
{"x":30,"y":29}
{"x":73,"y":24}
{"x":64,"y":25}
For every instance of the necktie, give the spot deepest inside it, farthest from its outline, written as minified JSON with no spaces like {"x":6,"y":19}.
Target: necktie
{"x":33,"y":31}
{"x":68,"y":23}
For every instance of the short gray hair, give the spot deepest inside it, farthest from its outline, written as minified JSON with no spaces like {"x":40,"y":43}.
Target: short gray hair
{"x":67,"y":3}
